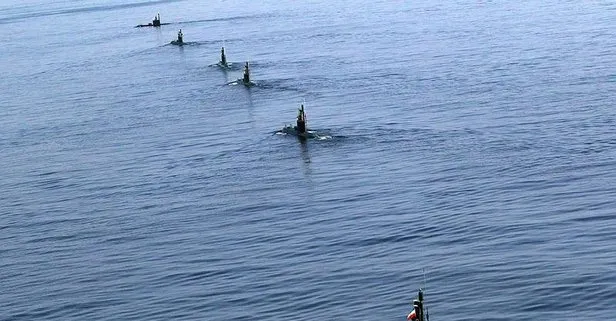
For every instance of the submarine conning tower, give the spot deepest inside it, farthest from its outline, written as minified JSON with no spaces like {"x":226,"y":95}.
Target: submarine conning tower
{"x":223,"y":57}
{"x":246,"y":74}
{"x":156,"y":21}
{"x":301,"y":120}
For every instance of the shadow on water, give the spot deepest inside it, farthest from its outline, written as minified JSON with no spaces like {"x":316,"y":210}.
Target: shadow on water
{"x":159,"y":35}
{"x":181,"y":49}
{"x":304,"y":149}
{"x":306,"y":161}
{"x":251,"y":110}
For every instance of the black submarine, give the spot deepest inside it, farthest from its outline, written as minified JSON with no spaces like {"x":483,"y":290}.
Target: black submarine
{"x":155,"y":23}
{"x":180,"y":40}
{"x":223,"y":59}
{"x":246,"y":79}
{"x":300,"y":130}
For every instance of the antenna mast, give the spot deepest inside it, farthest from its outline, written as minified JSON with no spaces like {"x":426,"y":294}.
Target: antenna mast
{"x":425,"y":288}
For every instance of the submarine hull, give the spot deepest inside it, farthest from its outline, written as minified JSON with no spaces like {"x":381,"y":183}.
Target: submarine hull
{"x":289,"y":130}
{"x":152,"y":25}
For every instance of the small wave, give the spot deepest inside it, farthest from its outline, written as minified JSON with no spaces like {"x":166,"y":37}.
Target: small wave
{"x":315,"y":134}
{"x":234,"y":83}
{"x":231,"y":66}
{"x":280,"y":84}
{"x":227,"y":19}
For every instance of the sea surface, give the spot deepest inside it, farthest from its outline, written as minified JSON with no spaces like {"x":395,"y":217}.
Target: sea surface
{"x":469,"y":147}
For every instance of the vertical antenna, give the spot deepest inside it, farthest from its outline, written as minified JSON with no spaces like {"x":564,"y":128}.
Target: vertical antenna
{"x":425,"y":288}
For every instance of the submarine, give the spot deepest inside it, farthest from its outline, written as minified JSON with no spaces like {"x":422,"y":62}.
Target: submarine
{"x":223,"y":59}
{"x":246,"y":79}
{"x":300,"y":130}
{"x":155,"y":23}
{"x":180,"y":40}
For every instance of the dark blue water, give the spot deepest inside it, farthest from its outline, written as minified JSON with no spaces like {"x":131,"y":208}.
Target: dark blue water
{"x":473,"y":139}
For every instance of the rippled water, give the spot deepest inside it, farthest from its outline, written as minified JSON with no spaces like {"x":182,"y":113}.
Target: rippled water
{"x":476,"y":140}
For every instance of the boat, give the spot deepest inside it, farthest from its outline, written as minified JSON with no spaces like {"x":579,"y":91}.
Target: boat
{"x":300,"y":130}
{"x":180,"y":40}
{"x":155,"y":23}
{"x":420,"y":311}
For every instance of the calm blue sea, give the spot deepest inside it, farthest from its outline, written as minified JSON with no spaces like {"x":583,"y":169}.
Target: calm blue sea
{"x":475,"y":140}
